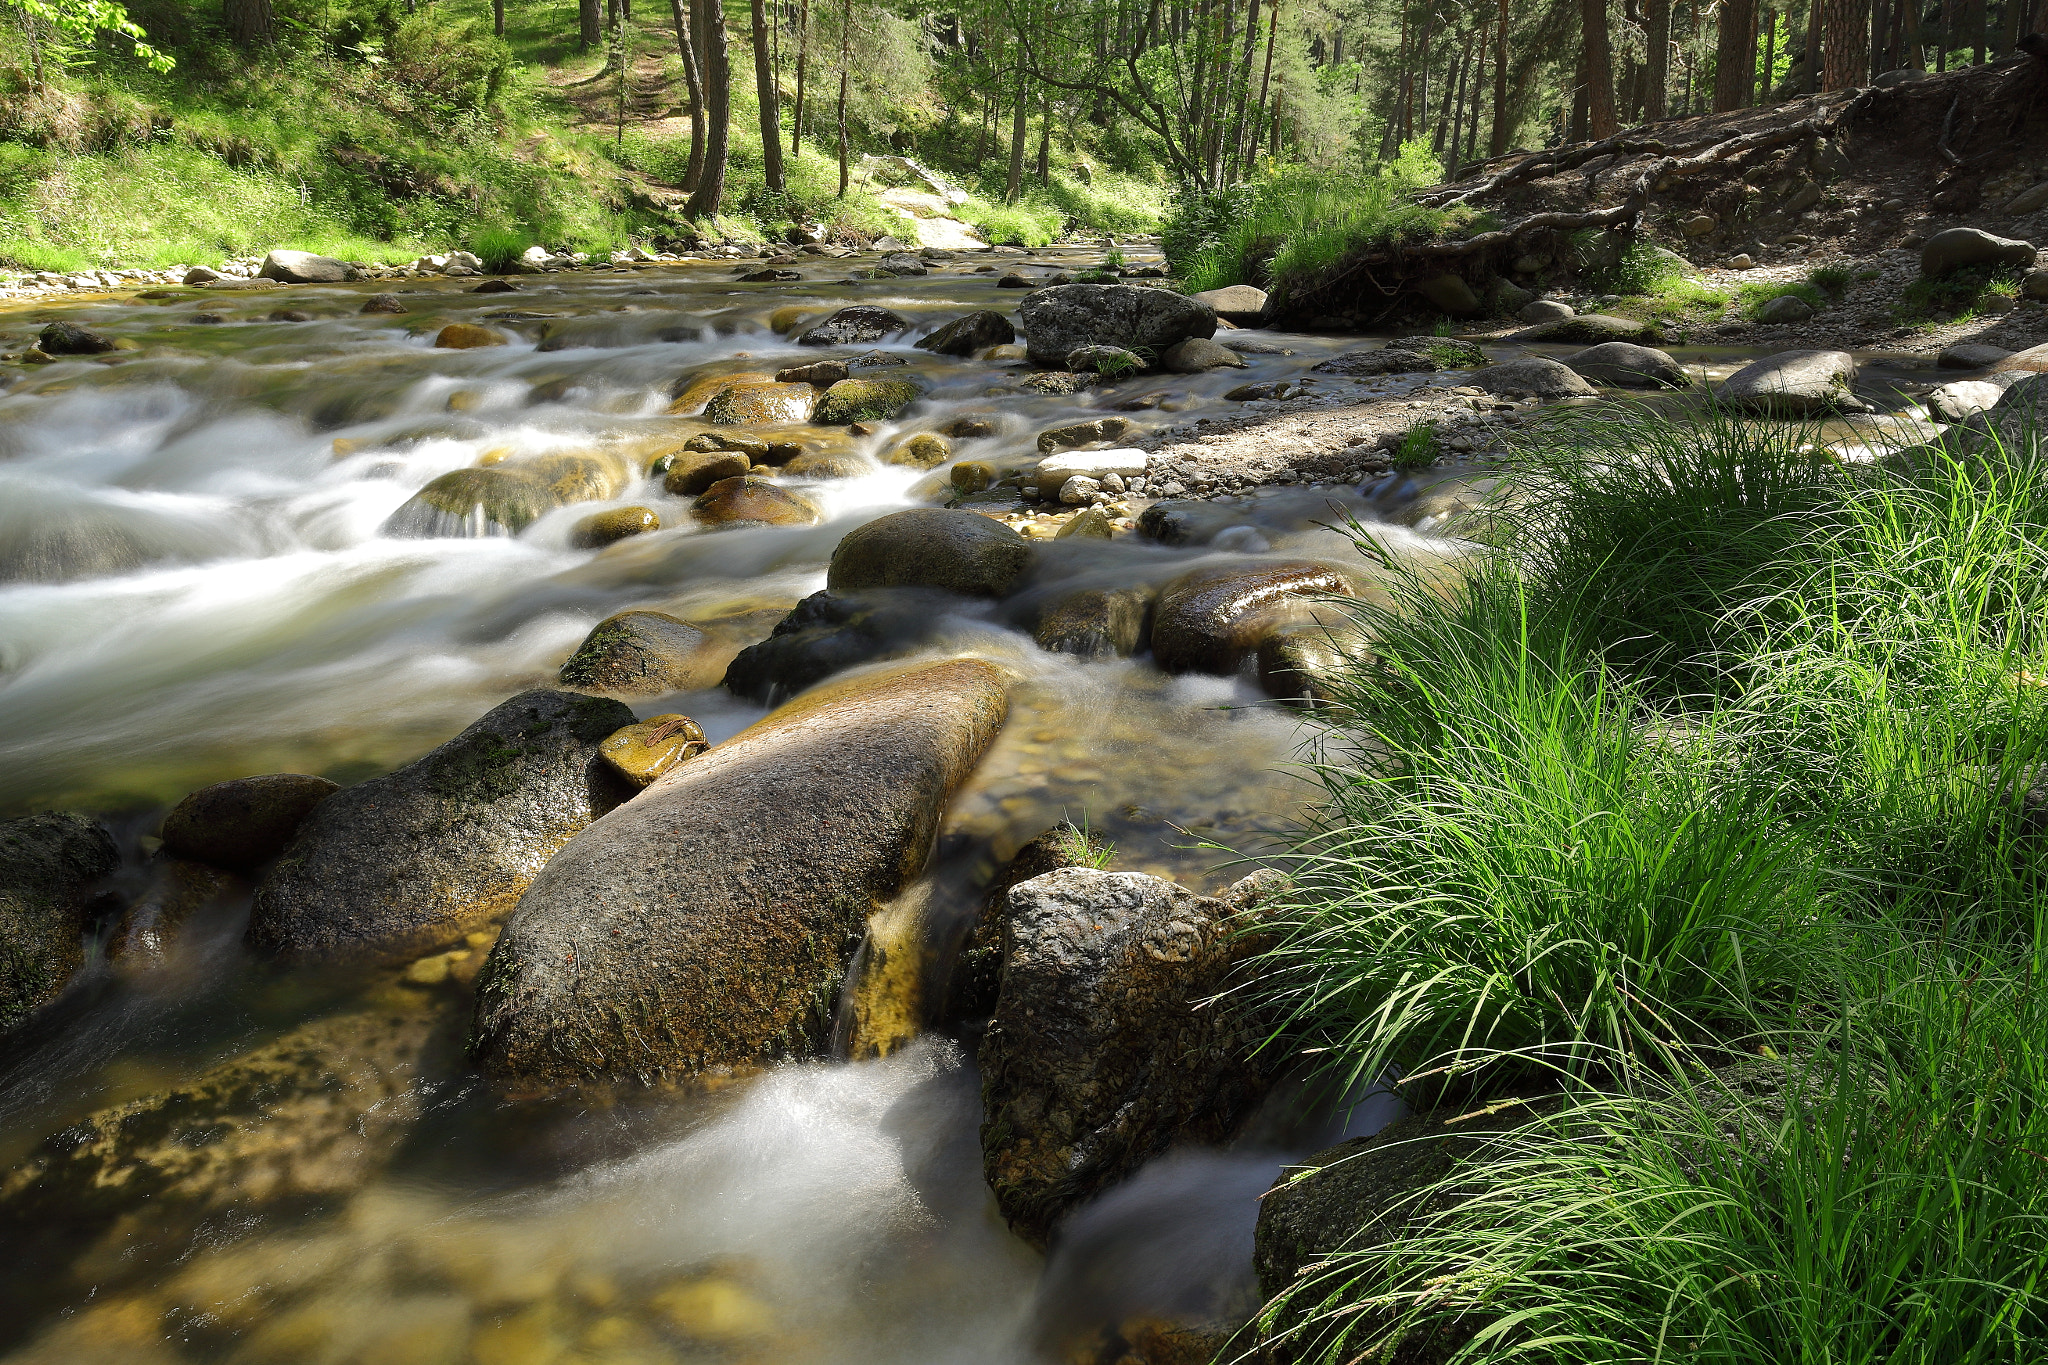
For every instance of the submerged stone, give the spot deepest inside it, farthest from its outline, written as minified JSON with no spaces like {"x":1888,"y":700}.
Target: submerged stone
{"x":49,"y":864}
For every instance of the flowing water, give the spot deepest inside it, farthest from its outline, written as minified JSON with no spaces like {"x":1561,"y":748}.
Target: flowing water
{"x":194,"y":585}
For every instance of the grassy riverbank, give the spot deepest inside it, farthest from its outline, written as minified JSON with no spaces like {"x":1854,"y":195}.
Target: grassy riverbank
{"x":1726,"y":751}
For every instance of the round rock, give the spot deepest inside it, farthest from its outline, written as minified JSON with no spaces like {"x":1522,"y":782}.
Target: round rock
{"x":1060,"y":320}
{"x":931,"y":547}
{"x":240,"y":824}
{"x":1958,"y":247}
{"x":1210,"y":619}
{"x":752,"y":500}
{"x":1629,"y":366}
{"x":1534,"y":374}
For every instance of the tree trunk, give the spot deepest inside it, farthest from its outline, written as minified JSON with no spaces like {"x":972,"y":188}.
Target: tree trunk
{"x":1600,"y":119}
{"x":1657,"y":76}
{"x":1497,"y":144}
{"x":1044,"y":167}
{"x":1769,"y":19}
{"x":845,"y":70}
{"x":589,"y":24}
{"x":1811,"y":82}
{"x":1979,"y":25}
{"x":1845,"y":56}
{"x":498,"y":18}
{"x":250,"y":23}
{"x":803,"y":53}
{"x":717,"y":60}
{"x":1016,"y":187}
{"x":1471,"y":151}
{"x":1735,"y":55}
{"x":1265,"y":81}
{"x":771,"y":104}
{"x":693,"y":80}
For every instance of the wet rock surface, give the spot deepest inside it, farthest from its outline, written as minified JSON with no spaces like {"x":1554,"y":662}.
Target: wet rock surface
{"x":708,"y":922}
{"x":969,"y":335}
{"x":1100,"y":1054}
{"x":1060,"y":320}
{"x":642,"y":653}
{"x":1211,"y":618}
{"x":857,"y":325}
{"x":49,"y":866}
{"x":644,"y":751}
{"x":241,"y":824}
{"x":930,"y":547}
{"x":830,"y":632}
{"x":1629,"y":366}
{"x":741,"y":500}
{"x":401,"y":864}
{"x":1535,"y":375}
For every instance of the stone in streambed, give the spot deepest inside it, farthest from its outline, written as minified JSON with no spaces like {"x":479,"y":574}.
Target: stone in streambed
{"x":382,"y":303}
{"x":1590,"y":329}
{"x":1108,"y":361}
{"x":692,"y":394}
{"x":600,"y":529}
{"x":303,"y":267}
{"x":1534,"y":374}
{"x":1795,"y":384}
{"x":930,"y":547}
{"x":922,"y":451}
{"x":467,"y":336}
{"x":1240,"y":304}
{"x":694,"y":471}
{"x":1060,"y":320}
{"x":858,"y":325}
{"x":709,"y":921}
{"x":644,"y":751}
{"x":68,"y":338}
{"x":243,"y":823}
{"x":972,"y":476}
{"x":644,"y":654}
{"x":1366,"y":364}
{"x":49,"y":864}
{"x":498,"y":501}
{"x":866,"y":400}
{"x":1210,"y":619}
{"x":830,"y":632}
{"x":405,"y":863}
{"x":819,"y":374}
{"x":1198,"y":355}
{"x":1957,"y":247}
{"x":1125,"y":462}
{"x":1970,"y":356}
{"x":177,"y":890}
{"x":751,"y":405}
{"x":1629,"y":366}
{"x":828,"y":464}
{"x":2033,"y":359}
{"x":1964,"y":398}
{"x":967,"y":336}
{"x":1109,"y":1042}
{"x":1100,"y":431}
{"x":738,"y":501}
{"x":1095,"y":623}
{"x":1538,"y":311}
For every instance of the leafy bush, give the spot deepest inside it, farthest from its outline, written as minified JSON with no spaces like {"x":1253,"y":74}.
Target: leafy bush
{"x":500,"y":248}
{"x":1034,"y":222}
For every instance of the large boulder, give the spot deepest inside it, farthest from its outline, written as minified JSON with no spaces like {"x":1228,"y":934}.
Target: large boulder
{"x":1210,"y":619}
{"x":1957,"y":247}
{"x":1795,"y":384}
{"x":930,"y":547}
{"x":1629,"y":366}
{"x":1062,"y":319}
{"x":1093,"y":622}
{"x":1964,"y":398}
{"x":1198,"y":355}
{"x":969,"y":335}
{"x":402,"y":864}
{"x":70,"y":338}
{"x":49,"y":864}
{"x":1239,"y":304}
{"x":1108,"y":1043}
{"x":828,"y":633}
{"x":1535,"y":375}
{"x":303,"y":267}
{"x":2034,"y":359}
{"x":867,"y":400}
{"x":755,"y":405}
{"x":709,"y":921}
{"x":643,"y":654}
{"x":1969,"y":355}
{"x":1590,"y":329}
{"x":497,"y":501}
{"x":858,"y":325}
{"x":748,"y":501}
{"x":244,"y":823}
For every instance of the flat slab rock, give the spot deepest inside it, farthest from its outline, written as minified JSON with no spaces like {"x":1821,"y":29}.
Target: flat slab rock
{"x":708,"y":922}
{"x":1795,"y":384}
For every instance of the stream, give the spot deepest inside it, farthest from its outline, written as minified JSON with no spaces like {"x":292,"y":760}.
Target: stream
{"x":195,"y":586}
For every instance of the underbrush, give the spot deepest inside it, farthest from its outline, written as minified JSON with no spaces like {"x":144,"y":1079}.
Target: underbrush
{"x":1291,"y":227}
{"x":1712,"y":797}
{"x":1956,"y":296}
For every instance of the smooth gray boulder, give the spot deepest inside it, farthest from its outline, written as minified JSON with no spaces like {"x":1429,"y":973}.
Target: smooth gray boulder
{"x":1533,"y":375}
{"x":1059,"y":320}
{"x":1968,"y":355}
{"x":303,"y":267}
{"x":1197,"y":355}
{"x":1235,"y":303}
{"x":1957,"y":247}
{"x":1783,"y":309}
{"x":402,"y":864}
{"x":1629,"y":366}
{"x":1964,"y":398}
{"x":1108,"y":1044}
{"x":49,"y":865}
{"x":1795,"y":384}
{"x":1545,"y":310}
{"x":709,"y":922}
{"x":1590,"y":329}
{"x":966,"y":336}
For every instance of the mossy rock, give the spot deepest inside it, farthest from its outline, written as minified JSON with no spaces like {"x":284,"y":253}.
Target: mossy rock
{"x":746,"y":405}
{"x":867,"y":400}
{"x":498,"y":501}
{"x":641,"y":653}
{"x":245,"y":822}
{"x":600,"y":529}
{"x":48,"y":866}
{"x":828,"y":464}
{"x":467,"y":336}
{"x":922,"y":451}
{"x":694,"y":471}
{"x":580,"y":476}
{"x":642,"y":752}
{"x":930,"y":547}
{"x":692,"y":395}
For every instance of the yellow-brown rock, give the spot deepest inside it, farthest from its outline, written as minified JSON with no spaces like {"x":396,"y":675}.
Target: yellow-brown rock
{"x":698,"y":392}
{"x":696,"y":470}
{"x":645,"y":750}
{"x":750,"y":499}
{"x":748,"y":405}
{"x":600,"y":529}
{"x":922,"y":451}
{"x":467,"y":336}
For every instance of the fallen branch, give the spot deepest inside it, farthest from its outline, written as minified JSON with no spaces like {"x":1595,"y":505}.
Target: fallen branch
{"x":1948,"y":124}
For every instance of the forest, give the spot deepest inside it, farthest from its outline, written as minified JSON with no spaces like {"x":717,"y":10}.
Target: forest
{"x":380,"y":128}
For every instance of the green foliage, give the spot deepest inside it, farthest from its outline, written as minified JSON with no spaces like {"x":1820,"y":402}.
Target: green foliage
{"x":60,"y":34}
{"x":1645,"y":268}
{"x":1419,"y":447}
{"x":1034,"y":222}
{"x":1956,"y":296}
{"x":1751,"y":298}
{"x":1833,"y":280}
{"x":500,"y":248}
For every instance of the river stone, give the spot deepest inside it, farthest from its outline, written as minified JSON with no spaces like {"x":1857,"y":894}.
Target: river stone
{"x":830,"y":632}
{"x":1970,"y":356}
{"x":1108,"y":1043}
{"x":902,"y":263}
{"x":1107,"y":361}
{"x":2034,"y":358}
{"x":245,"y":822}
{"x":1629,"y":366}
{"x":303,"y":267}
{"x":922,"y":451}
{"x":747,"y":499}
{"x":1794,"y":384}
{"x":867,"y":400}
{"x":694,"y":471}
{"x":467,"y":336}
{"x":1209,"y":619}
{"x":709,"y":921}
{"x":48,"y":865}
{"x":580,"y":475}
{"x":1963,"y":398}
{"x":820,"y":374}
{"x":1449,"y":352}
{"x":1785,"y":308}
{"x":753,"y":405}
{"x":1059,"y":383}
{"x":1055,"y":469}
{"x":691,"y":395}
{"x":68,"y":338}
{"x":857,"y":325}
{"x":1059,"y":320}
{"x":1545,"y":310}
{"x":1196,"y":522}
{"x":828,"y":464}
{"x":642,"y":654}
{"x":2035,"y":284}
{"x":930,"y":547}
{"x":472,"y":502}
{"x":178,"y":889}
{"x":382,"y":303}
{"x":1198,"y":355}
{"x":1532,"y":374}
{"x":645,"y":750}
{"x":1237,"y":303}
{"x":1450,"y":294}
{"x":600,"y":529}
{"x":1957,"y":247}
{"x":972,"y":476}
{"x":1100,"y":430}
{"x":977,"y":974}
{"x":1590,"y":329}
{"x":1095,"y":623}
{"x":1365,"y":364}
{"x":1304,"y":663}
{"x":405,"y":863}
{"x":966,"y":336}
